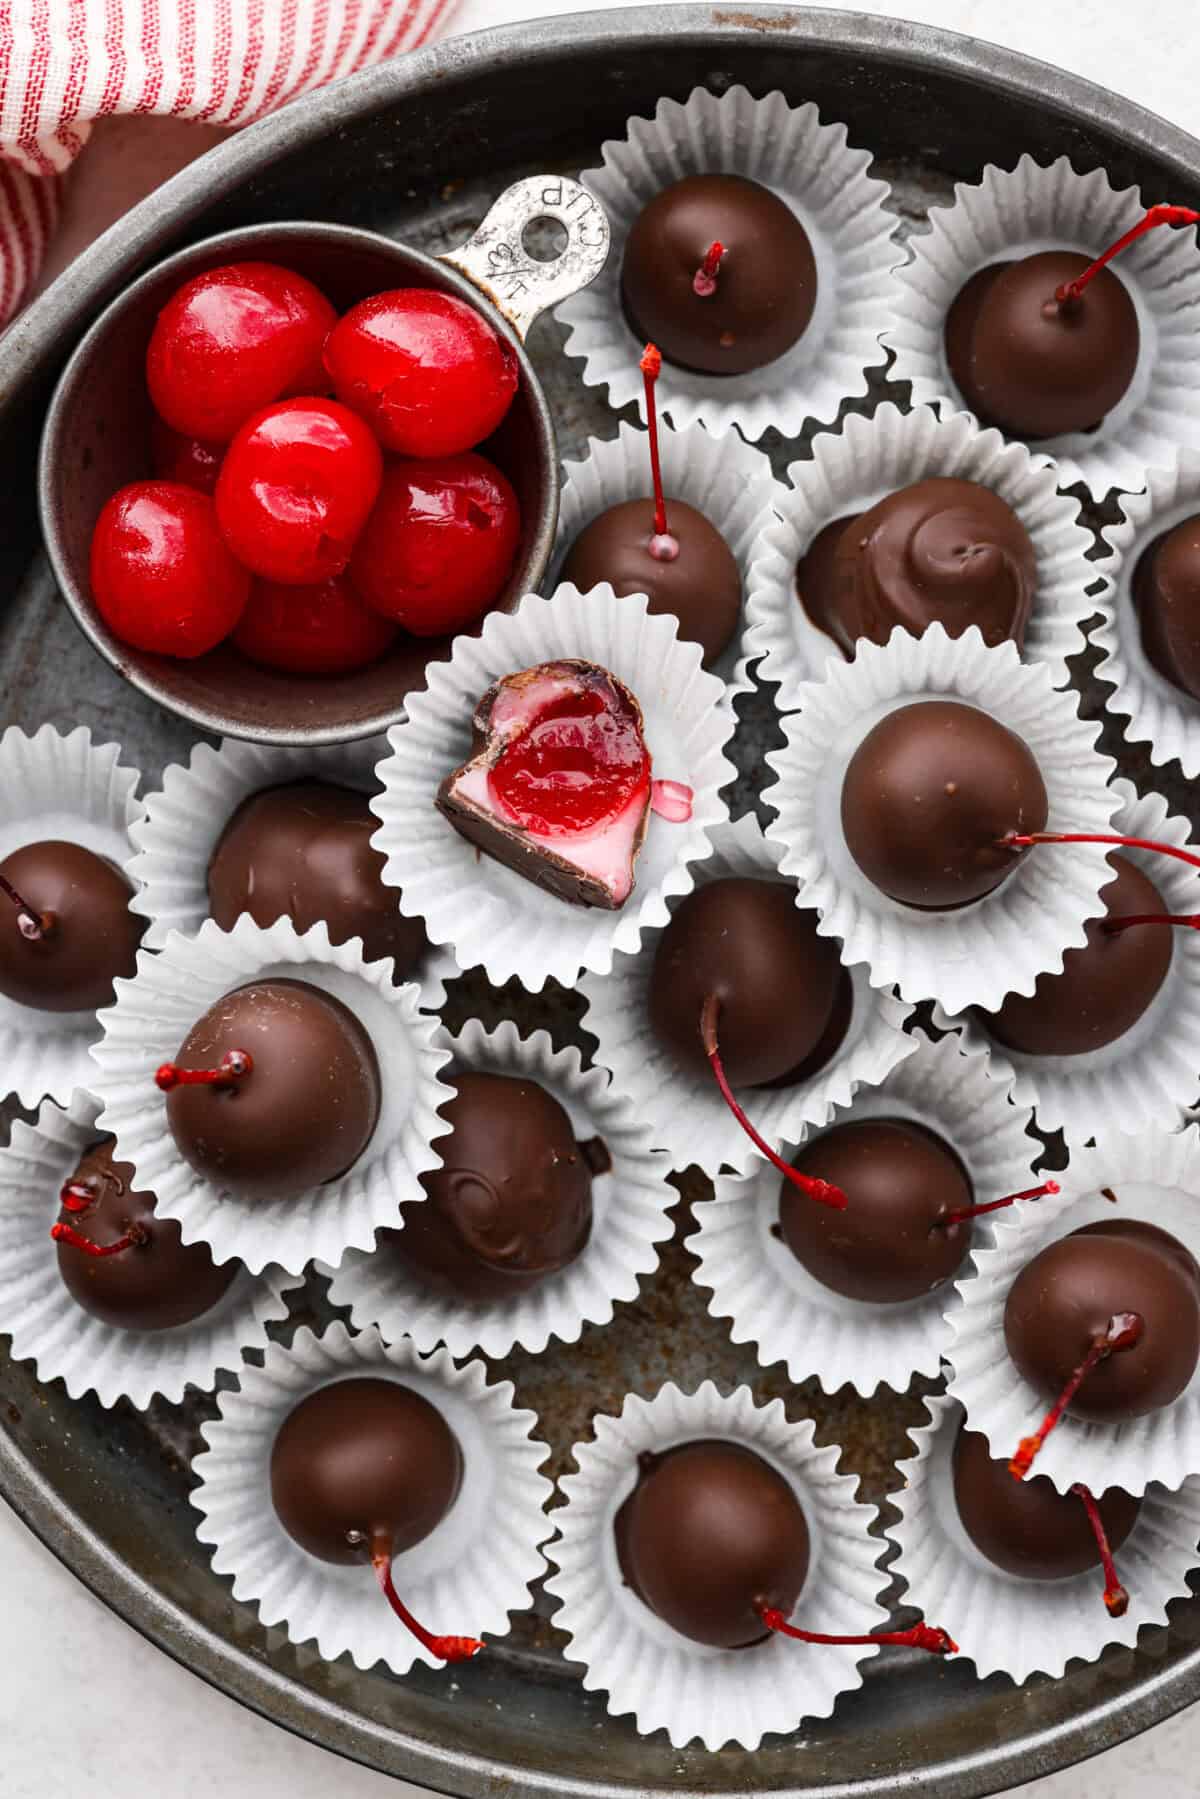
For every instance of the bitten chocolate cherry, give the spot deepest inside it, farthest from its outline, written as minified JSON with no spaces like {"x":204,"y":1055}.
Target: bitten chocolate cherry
{"x":1166,"y":596}
{"x":121,"y":1263}
{"x":66,"y":931}
{"x":275,"y":1089}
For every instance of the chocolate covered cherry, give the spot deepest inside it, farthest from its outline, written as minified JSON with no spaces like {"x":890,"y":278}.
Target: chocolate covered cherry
{"x":163,"y":578}
{"x":120,"y":1262}
{"x":1166,"y":596}
{"x":66,"y":931}
{"x":928,"y":798}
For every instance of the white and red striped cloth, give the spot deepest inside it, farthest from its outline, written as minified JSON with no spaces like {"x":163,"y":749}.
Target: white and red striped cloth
{"x":64,"y":63}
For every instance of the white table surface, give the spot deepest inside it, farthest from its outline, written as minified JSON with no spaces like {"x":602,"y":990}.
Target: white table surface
{"x":90,"y":1711}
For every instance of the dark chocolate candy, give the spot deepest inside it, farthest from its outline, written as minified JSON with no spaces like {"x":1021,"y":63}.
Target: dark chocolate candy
{"x":1166,"y":595}
{"x":87,"y":938}
{"x":1027,"y":1527}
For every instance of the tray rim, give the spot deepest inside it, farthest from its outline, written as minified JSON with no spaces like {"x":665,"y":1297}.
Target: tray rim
{"x":41,"y":337}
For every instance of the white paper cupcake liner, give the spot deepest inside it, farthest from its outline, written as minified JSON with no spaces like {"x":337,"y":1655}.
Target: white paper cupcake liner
{"x":1146,"y":1078}
{"x":722,"y":477}
{"x":66,"y":1343}
{"x":668,"y":1682}
{"x":491,"y":916}
{"x":1010,"y":1625}
{"x":469,"y":1573}
{"x":154,"y":1013}
{"x":1157,"y":712}
{"x":812,"y":169}
{"x":853,"y":469}
{"x":183,"y":822}
{"x":1156,"y":1178}
{"x":1013,"y":213}
{"x":790,"y":1316}
{"x":629,"y":1220}
{"x":58,"y":787}
{"x":1001,"y":943}
{"x":684,"y":1112}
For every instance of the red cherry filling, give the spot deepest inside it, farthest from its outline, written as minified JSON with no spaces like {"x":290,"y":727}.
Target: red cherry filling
{"x":427,"y":373}
{"x":323,"y":629}
{"x":163,"y":578}
{"x":440,"y":543}
{"x":295,"y":489}
{"x":232,"y":340}
{"x":577,"y":765}
{"x":186,"y":459}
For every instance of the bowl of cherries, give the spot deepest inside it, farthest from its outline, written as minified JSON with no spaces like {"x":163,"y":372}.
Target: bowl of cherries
{"x":289,"y":464}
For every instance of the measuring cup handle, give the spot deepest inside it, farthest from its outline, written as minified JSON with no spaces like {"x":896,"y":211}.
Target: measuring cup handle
{"x":496,"y":260}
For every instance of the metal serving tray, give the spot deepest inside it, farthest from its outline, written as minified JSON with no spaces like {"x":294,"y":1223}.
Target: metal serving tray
{"x":417,"y":150}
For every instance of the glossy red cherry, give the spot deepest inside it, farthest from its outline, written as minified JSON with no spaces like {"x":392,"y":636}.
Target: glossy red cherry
{"x":439,"y":545}
{"x":178,"y":458}
{"x":295,"y":489}
{"x":575,"y":767}
{"x":429,"y":375}
{"x":232,"y":340}
{"x":320,"y":630}
{"x":163,"y":578}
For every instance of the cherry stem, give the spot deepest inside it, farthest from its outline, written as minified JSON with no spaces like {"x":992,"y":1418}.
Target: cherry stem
{"x":447,"y":1649}
{"x":823,"y":1191}
{"x":1018,"y":840}
{"x":995,"y":1205}
{"x":32,"y":925}
{"x":1190,"y":919}
{"x":663,"y":547}
{"x":1157,"y":215}
{"x":921,"y":1636}
{"x":234,"y":1065}
{"x":704,"y":281}
{"x":1115,"y":1597}
{"x":1122,"y":1331}
{"x":134,"y":1238}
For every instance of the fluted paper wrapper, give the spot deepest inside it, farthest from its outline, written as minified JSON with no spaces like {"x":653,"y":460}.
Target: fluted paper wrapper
{"x":692,"y":1690}
{"x":1146,"y":1078}
{"x":1155,"y":1178}
{"x":467,"y":1576}
{"x":491,"y":916}
{"x":629,"y":1220}
{"x":1013,"y":213}
{"x":725,"y":479}
{"x":1156,"y":712}
{"x":183,"y":822}
{"x":1005,"y":1623}
{"x":869,"y":458}
{"x":787,"y":1313}
{"x":999,"y":944}
{"x":684,"y":1112}
{"x":154,"y":1013}
{"x":66,"y":1343}
{"x":813,"y":170}
{"x":58,"y":787}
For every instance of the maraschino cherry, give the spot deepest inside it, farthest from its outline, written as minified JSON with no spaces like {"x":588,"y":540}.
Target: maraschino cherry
{"x":438,"y":547}
{"x":163,"y":577}
{"x":428,"y":374}
{"x":325,"y":629}
{"x":184,"y":459}
{"x":230,"y":341}
{"x":295,"y":489}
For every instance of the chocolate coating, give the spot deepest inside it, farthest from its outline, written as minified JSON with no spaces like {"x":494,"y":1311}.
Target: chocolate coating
{"x":1166,"y":595}
{"x":512,"y":1201}
{"x":702,"y":587}
{"x":1104,"y":987}
{"x":155,"y":1284}
{"x":942,"y":551}
{"x":1027,"y":1527}
{"x":766,"y":285}
{"x":899,"y":1180}
{"x":305,"y":1112}
{"x":710,"y":1532}
{"x":303,"y":851}
{"x":1033,"y":366}
{"x":929,"y":795}
{"x":1065,"y":1297}
{"x":363,"y":1458}
{"x":778,"y":982}
{"x":92,"y":937}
